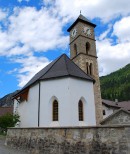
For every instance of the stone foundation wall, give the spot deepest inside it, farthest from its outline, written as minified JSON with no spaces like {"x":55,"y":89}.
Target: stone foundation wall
{"x":77,"y":140}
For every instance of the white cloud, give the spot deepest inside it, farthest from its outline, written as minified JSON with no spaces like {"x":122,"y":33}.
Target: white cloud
{"x":20,"y":1}
{"x":106,"y":10}
{"x":105,"y":33}
{"x":32,"y":30}
{"x":23,"y":0}
{"x":112,"y":57}
{"x":30,"y":65}
{"x":5,"y":43}
{"x":122,"y":29}
{"x":12,"y":71}
{"x":2,"y":14}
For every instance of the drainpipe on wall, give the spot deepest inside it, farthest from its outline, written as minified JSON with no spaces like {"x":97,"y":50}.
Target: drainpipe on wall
{"x":39,"y":104}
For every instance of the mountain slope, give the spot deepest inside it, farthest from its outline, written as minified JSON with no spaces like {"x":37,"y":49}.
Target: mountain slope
{"x":116,"y":85}
{"x":7,"y":100}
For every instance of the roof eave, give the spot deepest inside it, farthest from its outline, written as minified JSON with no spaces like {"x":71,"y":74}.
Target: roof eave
{"x":23,"y":90}
{"x":20,"y":92}
{"x":111,"y":105}
{"x":69,"y":75}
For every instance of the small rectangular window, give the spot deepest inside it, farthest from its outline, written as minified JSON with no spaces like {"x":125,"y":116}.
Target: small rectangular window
{"x":81,"y":111}
{"x":104,"y":112}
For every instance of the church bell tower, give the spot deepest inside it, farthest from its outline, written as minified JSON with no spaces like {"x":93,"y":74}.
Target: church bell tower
{"x":83,"y":53}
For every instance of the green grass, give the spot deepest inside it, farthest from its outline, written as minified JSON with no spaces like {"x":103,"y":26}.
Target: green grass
{"x":2,"y":134}
{"x":2,"y":137}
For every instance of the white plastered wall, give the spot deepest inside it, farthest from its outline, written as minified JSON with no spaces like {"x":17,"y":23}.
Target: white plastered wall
{"x":68,"y":92}
{"x":28,"y":110}
{"x":108,"y":111}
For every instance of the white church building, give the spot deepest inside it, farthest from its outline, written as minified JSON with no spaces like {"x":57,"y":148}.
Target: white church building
{"x":62,"y":93}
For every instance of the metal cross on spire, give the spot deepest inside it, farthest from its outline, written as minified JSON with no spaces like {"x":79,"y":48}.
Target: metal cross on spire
{"x":80,"y":11}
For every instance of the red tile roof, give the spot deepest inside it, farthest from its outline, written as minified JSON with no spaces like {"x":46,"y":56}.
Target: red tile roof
{"x":125,"y":104}
{"x":4,"y":110}
{"x":110,"y":103}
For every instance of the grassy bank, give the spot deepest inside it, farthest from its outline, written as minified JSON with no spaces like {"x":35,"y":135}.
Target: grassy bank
{"x":2,"y":135}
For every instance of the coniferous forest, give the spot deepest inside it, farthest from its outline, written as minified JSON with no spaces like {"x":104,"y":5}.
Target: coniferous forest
{"x":116,"y":85}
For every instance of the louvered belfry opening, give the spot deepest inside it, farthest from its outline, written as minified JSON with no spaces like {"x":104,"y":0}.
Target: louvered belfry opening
{"x":87,"y":47}
{"x":87,"y":67}
{"x":55,"y":111}
{"x":81,"y":111}
{"x":75,"y":49}
{"x":90,"y":68}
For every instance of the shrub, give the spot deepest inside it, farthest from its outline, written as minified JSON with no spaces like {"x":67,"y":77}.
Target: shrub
{"x":8,"y":120}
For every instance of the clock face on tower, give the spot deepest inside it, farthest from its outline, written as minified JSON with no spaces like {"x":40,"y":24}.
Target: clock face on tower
{"x":74,"y":32}
{"x":87,"y":31}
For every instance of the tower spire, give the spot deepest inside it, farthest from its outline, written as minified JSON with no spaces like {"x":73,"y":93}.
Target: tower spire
{"x":80,"y":11}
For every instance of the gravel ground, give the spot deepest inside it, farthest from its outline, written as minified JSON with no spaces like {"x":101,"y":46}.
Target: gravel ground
{"x":7,"y":150}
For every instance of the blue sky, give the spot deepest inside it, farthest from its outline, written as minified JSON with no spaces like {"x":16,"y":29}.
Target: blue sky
{"x":34,"y":32}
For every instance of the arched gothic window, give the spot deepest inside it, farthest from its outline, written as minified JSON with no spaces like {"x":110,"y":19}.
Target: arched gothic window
{"x":55,"y":111}
{"x":87,"y":47}
{"x":80,"y":107}
{"x":75,"y":49}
